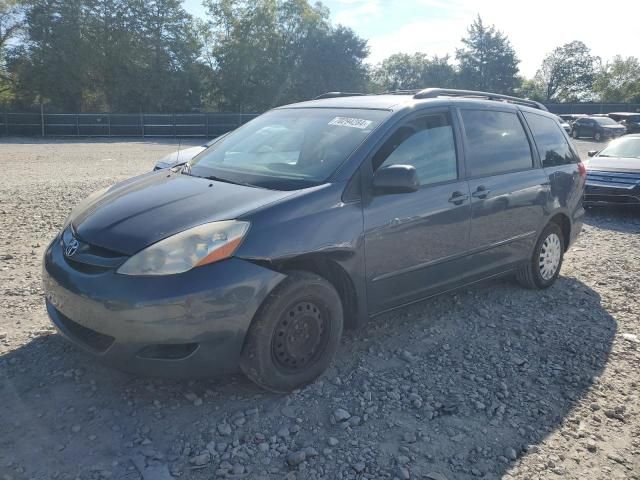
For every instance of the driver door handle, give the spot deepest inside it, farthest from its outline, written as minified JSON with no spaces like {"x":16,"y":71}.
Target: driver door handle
{"x":458,"y":198}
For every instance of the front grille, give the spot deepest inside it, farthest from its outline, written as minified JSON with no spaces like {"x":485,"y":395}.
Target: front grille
{"x":89,"y":258}
{"x":617,"y":179}
{"x":94,"y":340}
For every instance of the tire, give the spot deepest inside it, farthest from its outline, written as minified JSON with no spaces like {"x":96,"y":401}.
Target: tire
{"x":295,"y":334}
{"x":574,"y":134}
{"x":536,"y":274}
{"x":597,"y":137}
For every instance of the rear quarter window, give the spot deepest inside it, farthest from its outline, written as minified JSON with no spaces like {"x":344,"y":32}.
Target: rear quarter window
{"x":496,"y":143}
{"x":550,"y":141}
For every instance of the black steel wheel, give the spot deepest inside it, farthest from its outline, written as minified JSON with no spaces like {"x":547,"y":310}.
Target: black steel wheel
{"x":295,"y":334}
{"x":300,"y":335}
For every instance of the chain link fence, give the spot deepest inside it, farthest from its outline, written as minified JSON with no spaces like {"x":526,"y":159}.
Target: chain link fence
{"x":591,"y":108}
{"x":206,"y":125}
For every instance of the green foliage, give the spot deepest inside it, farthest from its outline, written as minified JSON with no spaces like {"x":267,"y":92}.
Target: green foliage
{"x":407,"y":72}
{"x":567,"y":74}
{"x":530,"y":89}
{"x":487,"y":60}
{"x":108,"y":55}
{"x":619,"y":81}
{"x":251,"y":55}
{"x":265,"y":53}
{"x":11,"y":23}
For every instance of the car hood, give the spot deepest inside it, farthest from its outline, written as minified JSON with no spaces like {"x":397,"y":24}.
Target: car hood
{"x":183,"y":155}
{"x":614,"y":164}
{"x":144,"y":210}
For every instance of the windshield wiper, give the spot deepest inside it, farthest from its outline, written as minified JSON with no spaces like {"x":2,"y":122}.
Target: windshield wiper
{"x":186,"y":170}
{"x":226,"y":180}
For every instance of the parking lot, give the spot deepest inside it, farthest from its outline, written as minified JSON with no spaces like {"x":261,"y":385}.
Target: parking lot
{"x":492,"y":381}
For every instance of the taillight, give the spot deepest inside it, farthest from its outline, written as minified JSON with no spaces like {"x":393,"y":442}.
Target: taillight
{"x":582,"y":170}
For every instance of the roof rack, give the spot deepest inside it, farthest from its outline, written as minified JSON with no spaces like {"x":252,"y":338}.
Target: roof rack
{"x":338,"y":94}
{"x":445,"y":92}
{"x":400,"y":92}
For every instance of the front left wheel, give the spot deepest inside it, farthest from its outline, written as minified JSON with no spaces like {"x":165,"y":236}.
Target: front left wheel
{"x":295,"y":334}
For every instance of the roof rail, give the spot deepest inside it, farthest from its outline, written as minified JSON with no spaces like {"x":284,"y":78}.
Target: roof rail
{"x":446,"y":92}
{"x":400,"y":92}
{"x":338,"y":94}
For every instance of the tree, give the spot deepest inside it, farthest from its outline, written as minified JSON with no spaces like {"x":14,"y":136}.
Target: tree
{"x":530,"y":89}
{"x":487,"y":60}
{"x":121,"y":55}
{"x":265,"y":53}
{"x":567,"y":73}
{"x":53,"y":59}
{"x":168,"y":54}
{"x":407,"y":72}
{"x":619,"y":81}
{"x":331,"y":60}
{"x":11,"y":22}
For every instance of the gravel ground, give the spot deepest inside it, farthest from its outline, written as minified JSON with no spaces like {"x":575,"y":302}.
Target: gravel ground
{"x":489,"y":382}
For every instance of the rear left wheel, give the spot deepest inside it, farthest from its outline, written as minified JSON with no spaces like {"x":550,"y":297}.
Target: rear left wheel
{"x":544,"y":267}
{"x":295,"y":334}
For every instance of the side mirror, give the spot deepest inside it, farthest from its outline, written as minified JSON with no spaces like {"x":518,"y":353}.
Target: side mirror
{"x":395,"y":179}
{"x":592,"y":153}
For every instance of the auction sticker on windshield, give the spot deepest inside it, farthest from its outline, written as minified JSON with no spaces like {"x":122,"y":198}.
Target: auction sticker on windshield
{"x":350,"y":122}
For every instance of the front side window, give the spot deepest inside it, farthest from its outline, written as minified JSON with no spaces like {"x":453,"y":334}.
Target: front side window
{"x":288,"y":148}
{"x":426,"y":143}
{"x":552,"y":145}
{"x":496,"y":143}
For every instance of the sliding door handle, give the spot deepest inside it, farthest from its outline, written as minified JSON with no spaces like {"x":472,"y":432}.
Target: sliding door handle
{"x":481,"y":192}
{"x":458,"y":198}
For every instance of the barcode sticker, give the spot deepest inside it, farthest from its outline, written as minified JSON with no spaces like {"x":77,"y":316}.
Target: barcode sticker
{"x":350,"y":122}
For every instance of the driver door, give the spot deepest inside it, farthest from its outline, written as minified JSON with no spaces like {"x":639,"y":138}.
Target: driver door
{"x":411,"y":238}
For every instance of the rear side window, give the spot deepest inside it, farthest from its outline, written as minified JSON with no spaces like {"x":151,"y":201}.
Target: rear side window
{"x":426,"y":143}
{"x":496,"y":143}
{"x":552,"y":145}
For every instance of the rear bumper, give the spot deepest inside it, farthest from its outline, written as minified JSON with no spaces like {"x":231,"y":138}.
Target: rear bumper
{"x":613,"y":134}
{"x":185,"y":325}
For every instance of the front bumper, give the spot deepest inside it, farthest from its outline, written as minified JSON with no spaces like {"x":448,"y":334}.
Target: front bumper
{"x":186,"y":325}
{"x":612,"y":189}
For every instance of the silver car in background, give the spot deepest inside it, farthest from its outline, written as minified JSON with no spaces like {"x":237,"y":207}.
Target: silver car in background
{"x":183,"y":155}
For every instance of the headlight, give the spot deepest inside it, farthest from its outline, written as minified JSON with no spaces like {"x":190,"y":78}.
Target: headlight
{"x":183,"y":251}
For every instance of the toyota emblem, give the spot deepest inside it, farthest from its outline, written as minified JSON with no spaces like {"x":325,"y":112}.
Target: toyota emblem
{"x":72,"y":247}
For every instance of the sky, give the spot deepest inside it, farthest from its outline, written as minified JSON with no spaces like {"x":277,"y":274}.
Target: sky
{"x":535,"y":27}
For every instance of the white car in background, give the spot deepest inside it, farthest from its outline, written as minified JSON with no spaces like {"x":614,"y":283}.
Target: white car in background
{"x":565,"y":125}
{"x":253,"y":150}
{"x":183,"y":155}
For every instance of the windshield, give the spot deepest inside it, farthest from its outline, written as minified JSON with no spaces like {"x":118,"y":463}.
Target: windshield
{"x":605,"y":121}
{"x":288,"y":149}
{"x":628,"y":147}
